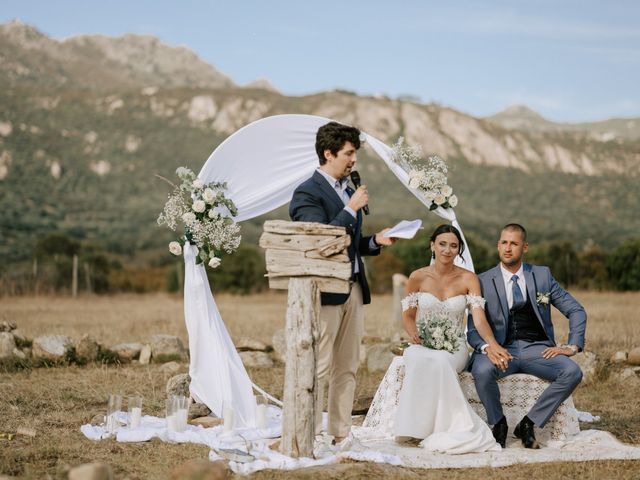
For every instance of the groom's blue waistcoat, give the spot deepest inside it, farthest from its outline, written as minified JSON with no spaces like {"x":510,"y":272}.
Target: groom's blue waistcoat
{"x":539,"y":281}
{"x":315,"y":201}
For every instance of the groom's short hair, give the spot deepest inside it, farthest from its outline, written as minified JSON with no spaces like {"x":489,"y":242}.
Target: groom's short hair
{"x":333,"y":136}
{"x":515,"y":227}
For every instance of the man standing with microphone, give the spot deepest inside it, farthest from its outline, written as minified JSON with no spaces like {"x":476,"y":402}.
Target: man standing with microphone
{"x":327,"y":198}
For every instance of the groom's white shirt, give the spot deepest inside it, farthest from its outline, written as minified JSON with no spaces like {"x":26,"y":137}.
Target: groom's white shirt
{"x":507,"y":276}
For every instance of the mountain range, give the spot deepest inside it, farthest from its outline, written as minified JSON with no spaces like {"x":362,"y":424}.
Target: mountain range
{"x":85,"y":122}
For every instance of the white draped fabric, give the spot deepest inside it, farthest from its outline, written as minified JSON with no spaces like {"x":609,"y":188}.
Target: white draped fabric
{"x":262,"y":164}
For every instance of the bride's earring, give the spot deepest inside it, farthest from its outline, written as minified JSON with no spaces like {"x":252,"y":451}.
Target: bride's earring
{"x":433,"y":254}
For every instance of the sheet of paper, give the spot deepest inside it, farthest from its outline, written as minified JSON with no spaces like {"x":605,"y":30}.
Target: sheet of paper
{"x":404,"y":229}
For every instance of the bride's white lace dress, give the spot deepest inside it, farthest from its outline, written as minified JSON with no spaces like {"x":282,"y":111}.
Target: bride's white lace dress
{"x":431,"y":405}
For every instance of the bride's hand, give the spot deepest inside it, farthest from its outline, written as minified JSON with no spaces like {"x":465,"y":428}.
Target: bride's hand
{"x":499,"y":356}
{"x":414,"y":337}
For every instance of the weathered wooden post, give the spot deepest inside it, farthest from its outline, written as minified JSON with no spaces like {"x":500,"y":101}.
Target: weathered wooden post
{"x":399,"y":282}
{"x":305,"y":258}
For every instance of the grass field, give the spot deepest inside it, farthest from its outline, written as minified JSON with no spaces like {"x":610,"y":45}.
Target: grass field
{"x":56,"y":401}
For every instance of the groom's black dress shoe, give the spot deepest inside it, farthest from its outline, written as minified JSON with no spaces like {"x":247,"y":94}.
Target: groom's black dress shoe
{"x":499,"y":431}
{"x":524,"y":431}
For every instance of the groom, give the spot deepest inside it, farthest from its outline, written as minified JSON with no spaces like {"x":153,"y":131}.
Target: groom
{"x":519,"y":298}
{"x":327,"y":198}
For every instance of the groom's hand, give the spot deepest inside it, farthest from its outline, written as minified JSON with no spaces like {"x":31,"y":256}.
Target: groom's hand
{"x":555,"y":351}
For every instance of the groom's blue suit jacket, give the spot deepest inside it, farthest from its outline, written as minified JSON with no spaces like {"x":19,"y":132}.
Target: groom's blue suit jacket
{"x":315,"y":201}
{"x":538,"y":280}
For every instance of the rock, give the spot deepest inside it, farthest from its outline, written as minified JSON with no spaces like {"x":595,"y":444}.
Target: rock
{"x":587,"y":362}
{"x":362,"y":352}
{"x":634,"y":356}
{"x":20,"y":338}
{"x":201,"y":469}
{"x":206,"y":421}
{"x":97,"y":419}
{"x":165,"y":348}
{"x":7,"y":326}
{"x":361,"y":405}
{"x":256,"y":359}
{"x":91,"y":471}
{"x":171,"y":368}
{"x":279,"y":345}
{"x":379,"y":357}
{"x":17,"y":353}
{"x":27,"y":351}
{"x":398,"y":348}
{"x":628,"y":376}
{"x":619,"y":357}
{"x":145,"y":355}
{"x":179,"y":385}
{"x":372,"y":340}
{"x":127,"y":351}
{"x":7,"y":345}
{"x":197,"y":410}
{"x":87,"y":348}
{"x":51,"y":347}
{"x":246,"y":344}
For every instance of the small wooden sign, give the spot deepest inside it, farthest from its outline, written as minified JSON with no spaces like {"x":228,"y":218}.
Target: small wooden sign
{"x":307,"y":250}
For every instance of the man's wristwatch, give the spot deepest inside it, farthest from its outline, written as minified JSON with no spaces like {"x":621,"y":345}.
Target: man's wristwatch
{"x":573,"y":348}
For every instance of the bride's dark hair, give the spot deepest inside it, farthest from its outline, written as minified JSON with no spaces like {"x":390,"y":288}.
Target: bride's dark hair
{"x":446,"y":228}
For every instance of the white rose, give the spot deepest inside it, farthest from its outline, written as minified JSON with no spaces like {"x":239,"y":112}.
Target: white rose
{"x":189,"y":218}
{"x":213,"y":214}
{"x":175,"y":248}
{"x":198,"y":206}
{"x":439,"y":199}
{"x":209,"y":195}
{"x":446,"y":190}
{"x":214,"y":262}
{"x":453,"y":201}
{"x":197,"y":183}
{"x":429,"y":196}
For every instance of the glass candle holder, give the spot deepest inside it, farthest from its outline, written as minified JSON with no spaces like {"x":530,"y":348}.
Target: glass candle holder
{"x":134,"y":405}
{"x":113,"y":408}
{"x":228,"y":417}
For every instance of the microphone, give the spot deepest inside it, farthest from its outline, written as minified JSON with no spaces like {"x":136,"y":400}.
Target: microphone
{"x":355,"y":178}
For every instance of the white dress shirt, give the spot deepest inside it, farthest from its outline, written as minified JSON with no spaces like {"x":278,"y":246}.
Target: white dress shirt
{"x":508,"y":286}
{"x":340,"y":186}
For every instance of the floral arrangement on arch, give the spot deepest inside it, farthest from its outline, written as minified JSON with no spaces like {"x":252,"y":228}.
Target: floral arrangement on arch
{"x":205,"y":214}
{"x":430,"y":178}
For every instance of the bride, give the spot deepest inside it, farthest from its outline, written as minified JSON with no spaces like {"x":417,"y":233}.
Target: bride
{"x":431,"y":405}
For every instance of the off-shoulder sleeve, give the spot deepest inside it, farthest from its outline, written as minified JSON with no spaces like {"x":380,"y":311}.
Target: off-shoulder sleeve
{"x":475,"y":301}
{"x":410,"y":301}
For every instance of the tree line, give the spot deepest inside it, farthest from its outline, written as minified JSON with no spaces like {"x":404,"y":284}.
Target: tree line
{"x":62,"y":264}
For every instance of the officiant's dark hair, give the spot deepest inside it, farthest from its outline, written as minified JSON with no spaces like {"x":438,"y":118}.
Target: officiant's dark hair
{"x":446,"y":228}
{"x":333,"y":136}
{"x":515,"y":227}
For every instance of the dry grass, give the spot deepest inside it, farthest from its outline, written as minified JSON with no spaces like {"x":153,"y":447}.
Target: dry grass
{"x":56,"y":401}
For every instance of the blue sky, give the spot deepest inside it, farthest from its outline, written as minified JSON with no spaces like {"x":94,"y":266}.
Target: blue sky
{"x":570,"y":60}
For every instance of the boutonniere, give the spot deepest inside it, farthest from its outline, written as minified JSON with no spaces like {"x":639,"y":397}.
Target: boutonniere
{"x":542,"y":298}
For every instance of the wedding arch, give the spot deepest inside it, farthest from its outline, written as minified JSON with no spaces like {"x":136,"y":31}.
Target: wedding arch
{"x":262,"y":164}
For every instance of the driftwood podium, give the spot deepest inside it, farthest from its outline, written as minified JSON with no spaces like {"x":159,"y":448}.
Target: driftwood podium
{"x":305,"y":258}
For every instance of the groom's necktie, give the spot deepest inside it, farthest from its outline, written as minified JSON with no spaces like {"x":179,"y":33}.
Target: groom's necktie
{"x":518,"y":299}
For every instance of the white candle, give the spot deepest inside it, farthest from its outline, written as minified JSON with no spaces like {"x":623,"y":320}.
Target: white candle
{"x":181,"y":417}
{"x":171,"y":423}
{"x":261,"y":416}
{"x":228,"y":417}
{"x":135,"y":416}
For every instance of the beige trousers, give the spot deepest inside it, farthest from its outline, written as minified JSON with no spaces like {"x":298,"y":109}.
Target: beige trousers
{"x":341,"y":330}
